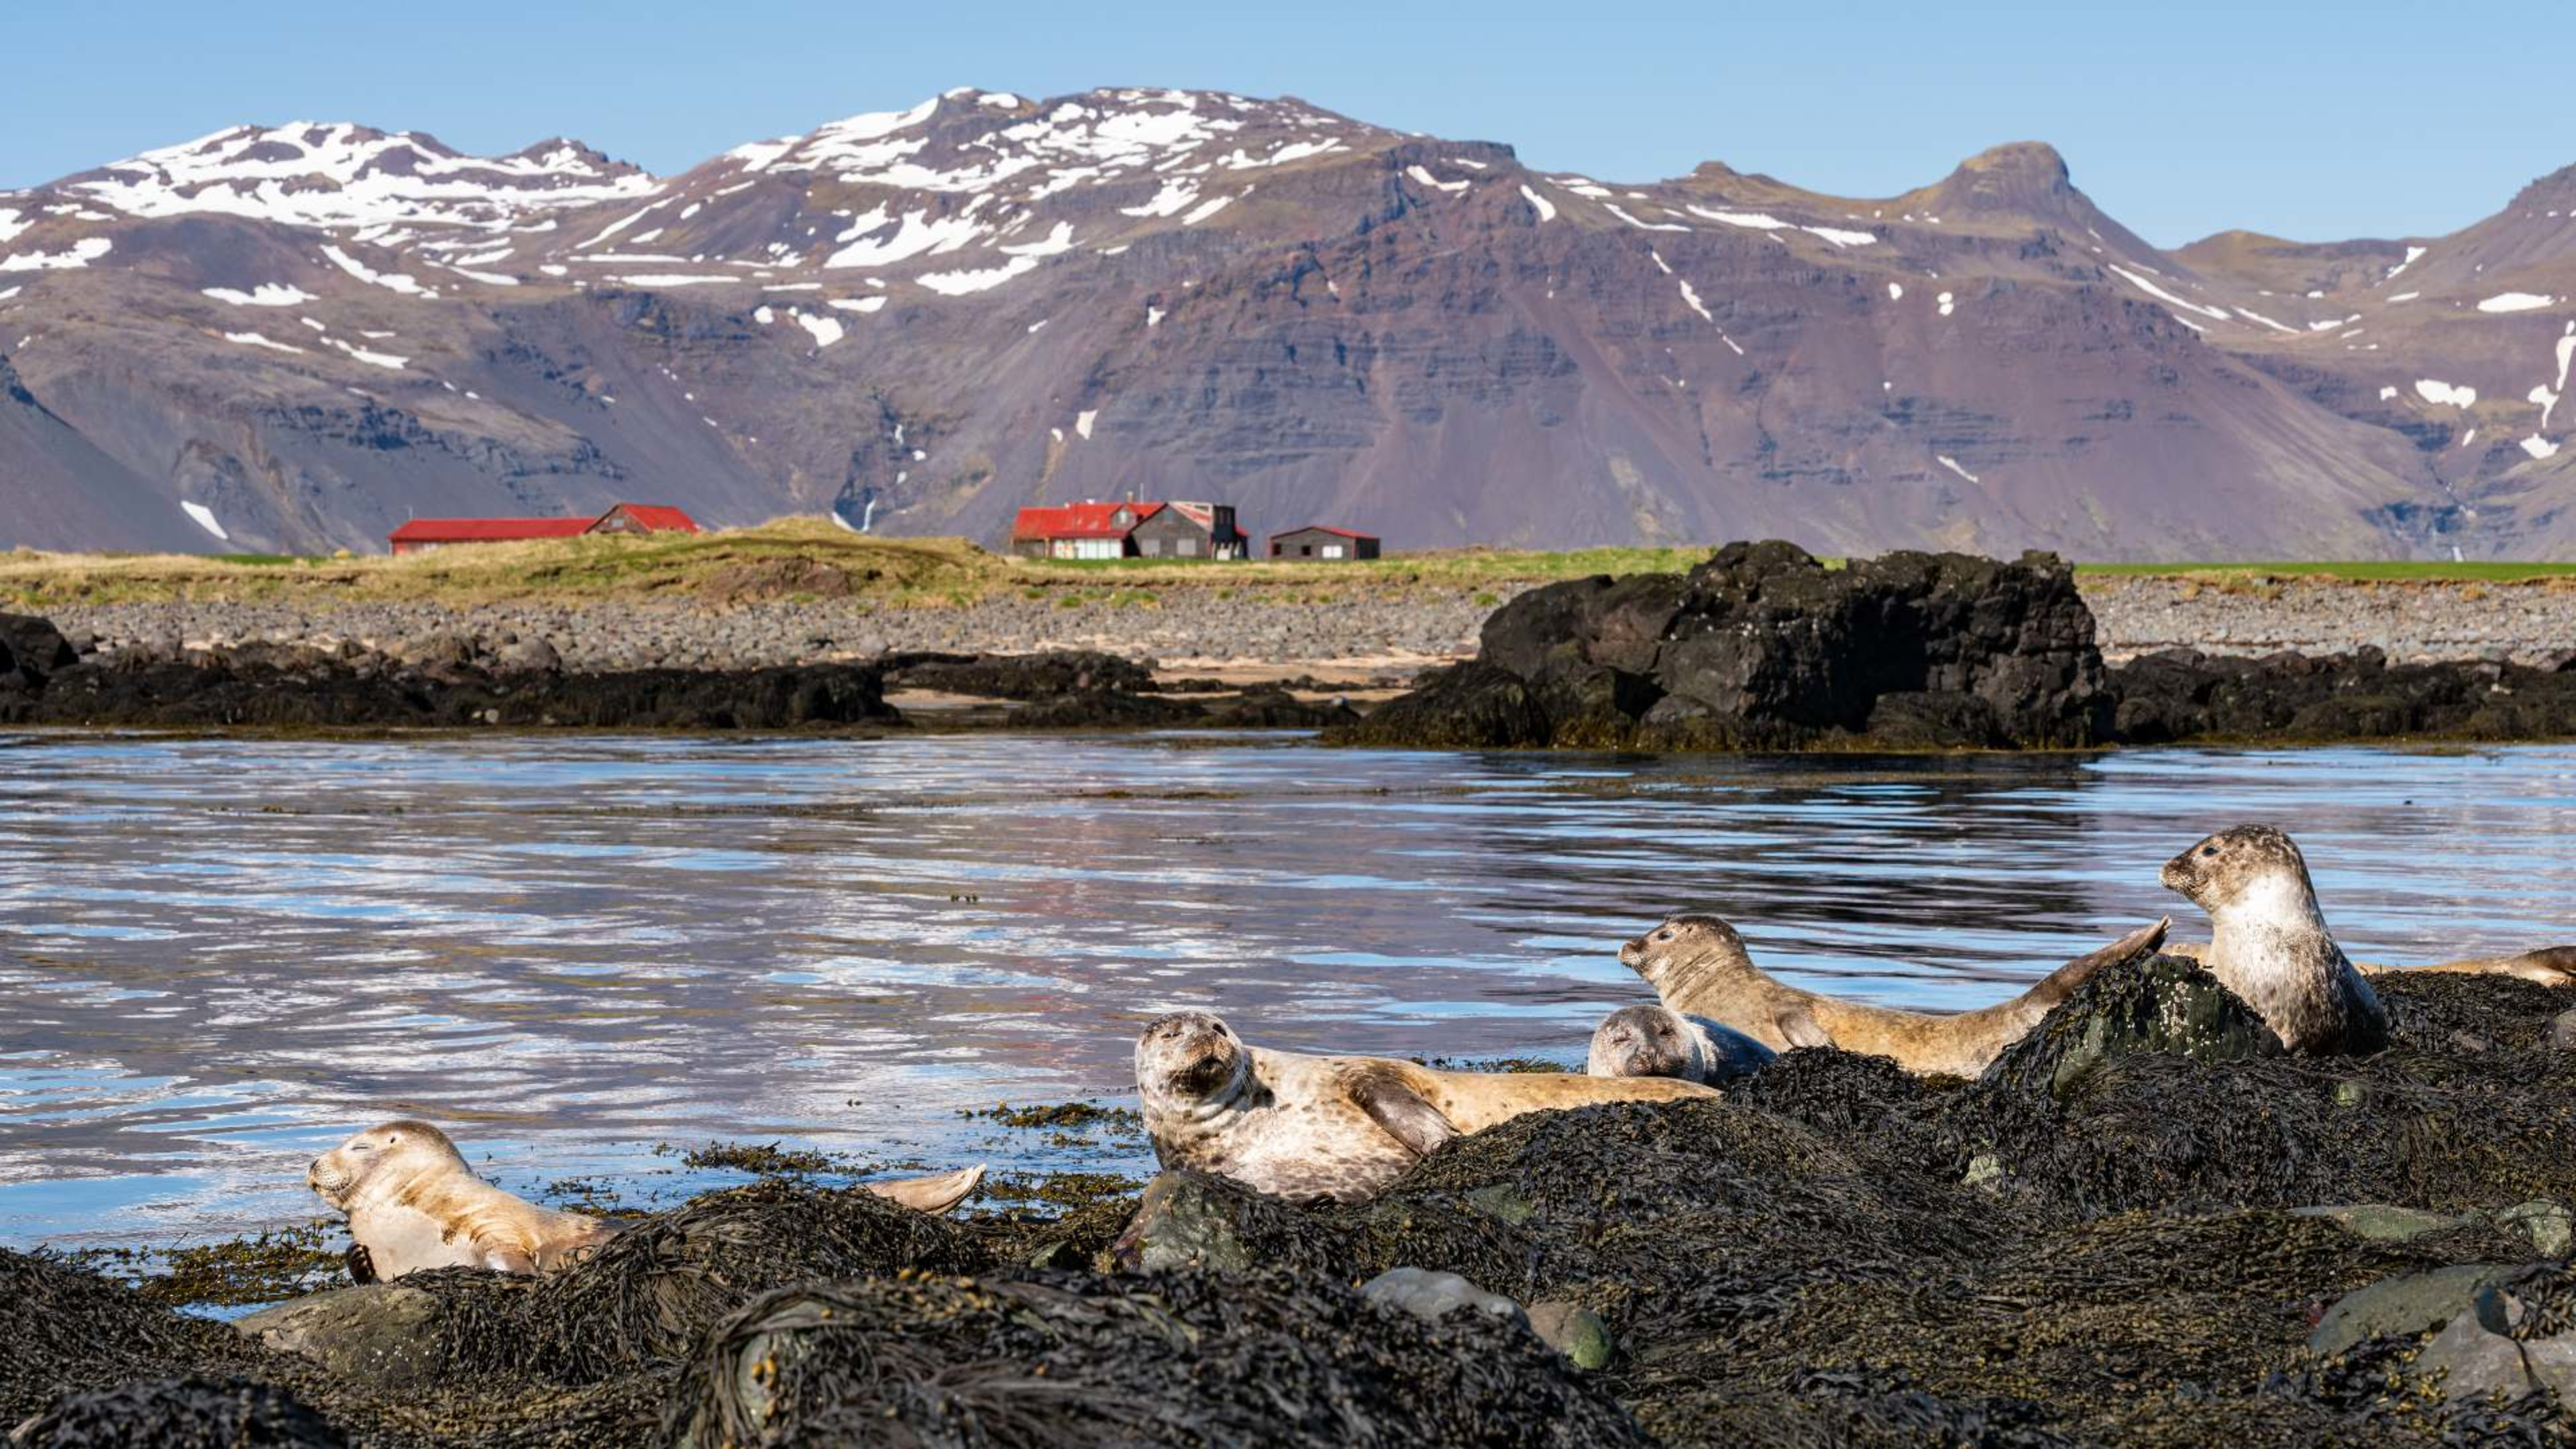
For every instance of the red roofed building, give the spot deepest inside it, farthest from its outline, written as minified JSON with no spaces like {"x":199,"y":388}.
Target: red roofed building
{"x":422,"y":534}
{"x":1129,"y":530}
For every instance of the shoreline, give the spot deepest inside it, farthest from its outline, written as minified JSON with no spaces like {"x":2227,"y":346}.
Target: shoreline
{"x":1374,"y":637}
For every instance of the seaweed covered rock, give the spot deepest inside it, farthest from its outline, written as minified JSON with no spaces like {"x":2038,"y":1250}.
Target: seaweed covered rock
{"x":184,"y":1413}
{"x":79,"y":1332}
{"x":641,"y":1301}
{"x":1018,"y":676}
{"x":2163,"y":1004}
{"x":2184,"y":694}
{"x":1180,"y":1358}
{"x":1762,"y":646}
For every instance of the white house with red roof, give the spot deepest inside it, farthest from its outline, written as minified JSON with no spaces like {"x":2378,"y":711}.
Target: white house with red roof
{"x":1130,"y":529}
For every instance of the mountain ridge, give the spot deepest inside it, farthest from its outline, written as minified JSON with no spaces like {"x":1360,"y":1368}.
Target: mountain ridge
{"x":930,"y":317}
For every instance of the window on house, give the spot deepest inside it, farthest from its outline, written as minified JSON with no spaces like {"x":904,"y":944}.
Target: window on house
{"x":1187,"y":548}
{"x":1332,"y":550}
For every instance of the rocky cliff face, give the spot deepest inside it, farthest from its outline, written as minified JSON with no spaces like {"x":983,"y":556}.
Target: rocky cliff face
{"x":294,"y":338}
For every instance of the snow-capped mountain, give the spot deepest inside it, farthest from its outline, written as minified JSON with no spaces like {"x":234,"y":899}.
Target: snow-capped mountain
{"x":293,"y":338}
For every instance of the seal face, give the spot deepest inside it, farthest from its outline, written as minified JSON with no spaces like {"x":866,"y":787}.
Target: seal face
{"x":2269,"y":943}
{"x":1700,"y":968}
{"x":1310,"y":1128}
{"x":1656,"y":1041}
{"x":412,"y":1203}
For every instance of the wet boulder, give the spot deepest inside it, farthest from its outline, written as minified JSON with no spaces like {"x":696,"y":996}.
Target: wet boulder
{"x":31,"y":649}
{"x":386,"y":1333}
{"x":2164,"y":1005}
{"x":1470,"y":706}
{"x":1018,"y":676}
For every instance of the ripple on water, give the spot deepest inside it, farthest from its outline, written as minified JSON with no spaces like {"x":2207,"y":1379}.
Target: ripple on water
{"x":219,"y":956}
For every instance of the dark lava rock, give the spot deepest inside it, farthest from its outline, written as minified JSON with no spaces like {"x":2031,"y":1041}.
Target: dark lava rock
{"x":1177,"y":1358}
{"x":1018,"y":676}
{"x":1763,"y":646}
{"x":2183,"y":694}
{"x":31,"y":649}
{"x":1108,"y":709}
{"x":2164,"y":1004}
{"x":436,"y":685}
{"x":186,"y":1413}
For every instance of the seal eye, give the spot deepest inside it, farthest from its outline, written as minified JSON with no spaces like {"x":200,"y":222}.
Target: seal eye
{"x":1665,"y":934}
{"x":2209,"y":850}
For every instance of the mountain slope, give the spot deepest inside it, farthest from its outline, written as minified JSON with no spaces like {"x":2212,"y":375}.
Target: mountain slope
{"x":928,"y":319}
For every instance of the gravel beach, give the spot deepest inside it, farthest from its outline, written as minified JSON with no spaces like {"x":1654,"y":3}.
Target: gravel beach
{"x":1209,"y":629}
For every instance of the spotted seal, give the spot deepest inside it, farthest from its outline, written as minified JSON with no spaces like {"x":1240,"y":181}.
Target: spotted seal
{"x":413,"y":1203}
{"x":1310,"y":1128}
{"x":1698,"y":966}
{"x":2269,"y":943}
{"x":1657,"y":1041}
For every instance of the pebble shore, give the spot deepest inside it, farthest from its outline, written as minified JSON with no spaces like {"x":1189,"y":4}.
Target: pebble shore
{"x":2527,"y":623}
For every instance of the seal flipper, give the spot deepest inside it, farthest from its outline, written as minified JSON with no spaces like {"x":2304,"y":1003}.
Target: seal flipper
{"x":1394,"y":1104}
{"x":509,"y":1260}
{"x":2060,"y":984}
{"x":1799,"y":1027}
{"x":932,"y":1195}
{"x":361,"y":1263}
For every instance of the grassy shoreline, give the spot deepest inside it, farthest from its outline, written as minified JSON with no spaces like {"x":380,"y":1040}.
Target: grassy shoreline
{"x":802,"y":560}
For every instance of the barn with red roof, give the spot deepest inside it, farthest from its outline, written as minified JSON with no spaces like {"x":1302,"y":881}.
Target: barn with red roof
{"x":423,"y":534}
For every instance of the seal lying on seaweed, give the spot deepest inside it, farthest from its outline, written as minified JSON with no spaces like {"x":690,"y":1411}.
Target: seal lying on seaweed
{"x":1699,"y":966}
{"x":413,"y":1203}
{"x":1657,"y":1041}
{"x":1309,"y":1128}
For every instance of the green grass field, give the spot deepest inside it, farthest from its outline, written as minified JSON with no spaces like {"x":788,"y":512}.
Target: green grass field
{"x":798,"y":559}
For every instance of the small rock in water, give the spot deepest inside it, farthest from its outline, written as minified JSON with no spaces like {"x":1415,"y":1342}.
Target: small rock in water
{"x":1430,"y":1296}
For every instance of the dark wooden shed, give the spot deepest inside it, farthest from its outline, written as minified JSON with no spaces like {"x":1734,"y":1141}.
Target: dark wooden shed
{"x":1320,"y":542}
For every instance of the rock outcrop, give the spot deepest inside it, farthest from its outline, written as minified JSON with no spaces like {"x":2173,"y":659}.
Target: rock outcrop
{"x":1765,"y":647}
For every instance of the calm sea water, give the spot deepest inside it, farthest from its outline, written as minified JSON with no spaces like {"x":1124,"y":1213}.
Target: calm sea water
{"x":218,"y":957}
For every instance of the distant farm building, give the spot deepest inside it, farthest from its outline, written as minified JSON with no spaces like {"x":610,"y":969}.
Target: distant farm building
{"x":1322,"y":542}
{"x":1130,"y":530}
{"x":423,"y":534}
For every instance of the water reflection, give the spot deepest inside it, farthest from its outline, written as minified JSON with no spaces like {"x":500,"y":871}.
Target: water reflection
{"x":218,"y":955}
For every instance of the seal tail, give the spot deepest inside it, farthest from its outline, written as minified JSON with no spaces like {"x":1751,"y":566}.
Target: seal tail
{"x":2061,"y":983}
{"x":2548,"y":966}
{"x":932,"y":1195}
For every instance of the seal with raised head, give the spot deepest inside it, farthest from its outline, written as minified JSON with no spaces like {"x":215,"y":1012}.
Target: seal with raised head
{"x":413,"y":1203}
{"x":2269,"y":943}
{"x":1698,"y":966}
{"x":1310,"y":1128}
{"x":1657,"y":1041}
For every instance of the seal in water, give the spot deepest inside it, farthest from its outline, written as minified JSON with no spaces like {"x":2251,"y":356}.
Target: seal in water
{"x":1308,"y":1128}
{"x":1657,"y":1041}
{"x":1699,"y":966}
{"x":412,"y":1203}
{"x":2269,"y":943}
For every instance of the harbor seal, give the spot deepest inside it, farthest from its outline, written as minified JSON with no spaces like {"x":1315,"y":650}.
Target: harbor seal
{"x":1698,"y":966}
{"x":2544,"y":966}
{"x":1310,"y":1128}
{"x":2269,"y":943}
{"x":412,"y":1204}
{"x":1657,"y":1041}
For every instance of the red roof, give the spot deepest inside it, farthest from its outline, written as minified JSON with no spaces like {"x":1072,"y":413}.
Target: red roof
{"x":659,"y":517}
{"x":655,"y":517}
{"x":489,"y":530}
{"x":1324,"y":528}
{"x":1081,"y":520}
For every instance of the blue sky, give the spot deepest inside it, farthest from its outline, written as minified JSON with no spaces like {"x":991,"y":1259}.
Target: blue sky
{"x":2363,"y":118}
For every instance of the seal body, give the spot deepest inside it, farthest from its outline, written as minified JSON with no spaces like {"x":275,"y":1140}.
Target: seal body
{"x":2269,"y":943}
{"x":413,"y":1204}
{"x":1698,"y":966}
{"x":1311,"y":1128}
{"x":1657,"y":1041}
